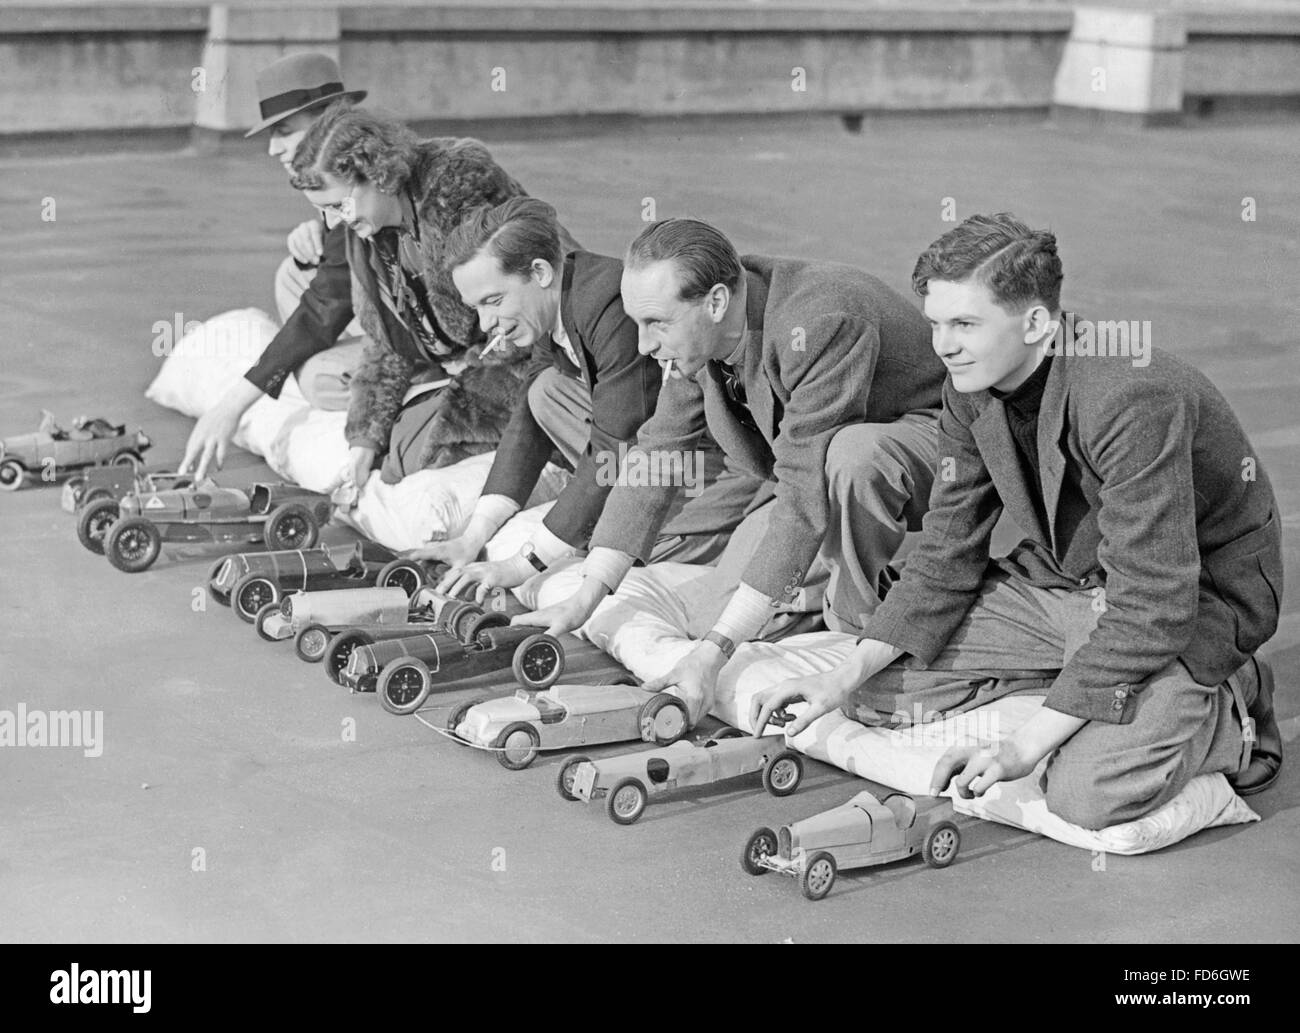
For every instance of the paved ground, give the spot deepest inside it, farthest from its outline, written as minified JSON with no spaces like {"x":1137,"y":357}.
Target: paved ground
{"x":216,"y":742}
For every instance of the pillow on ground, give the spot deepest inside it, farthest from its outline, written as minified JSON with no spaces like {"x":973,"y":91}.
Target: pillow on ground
{"x":203,"y":364}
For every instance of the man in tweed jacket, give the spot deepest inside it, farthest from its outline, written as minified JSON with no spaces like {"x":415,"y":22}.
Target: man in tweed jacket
{"x":1151,"y":574}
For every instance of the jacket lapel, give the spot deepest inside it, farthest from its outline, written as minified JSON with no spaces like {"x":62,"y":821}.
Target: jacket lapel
{"x":762,"y":402}
{"x":1051,"y":460}
{"x":998,"y":448}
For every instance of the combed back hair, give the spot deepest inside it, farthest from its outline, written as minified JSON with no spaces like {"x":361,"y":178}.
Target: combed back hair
{"x":1018,"y":265}
{"x":351,"y":144}
{"x":515,"y":233}
{"x":702,"y":255}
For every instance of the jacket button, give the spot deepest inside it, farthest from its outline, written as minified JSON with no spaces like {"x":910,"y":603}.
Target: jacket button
{"x":1117,"y":705}
{"x":1083,"y":580}
{"x":1120,"y":693}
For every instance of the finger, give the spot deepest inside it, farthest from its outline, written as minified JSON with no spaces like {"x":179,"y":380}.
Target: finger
{"x":448,"y":579}
{"x":814,"y":710}
{"x":221,"y":453}
{"x":987,"y":779}
{"x":480,"y":593}
{"x":947,"y":766}
{"x":205,"y":461}
{"x":191,"y":454}
{"x":535,"y":619}
{"x":662,"y":682}
{"x":974,"y":767}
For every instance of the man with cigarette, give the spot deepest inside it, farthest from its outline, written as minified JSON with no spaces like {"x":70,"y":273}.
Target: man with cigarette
{"x":587,"y":391}
{"x":813,"y":375}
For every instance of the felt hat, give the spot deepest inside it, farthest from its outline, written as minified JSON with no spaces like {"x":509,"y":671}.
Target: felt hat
{"x":296,"y":83}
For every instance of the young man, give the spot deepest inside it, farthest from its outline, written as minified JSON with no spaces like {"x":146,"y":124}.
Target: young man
{"x":813,"y":375}
{"x":1151,"y":574}
{"x":587,"y":391}
{"x":313,"y":289}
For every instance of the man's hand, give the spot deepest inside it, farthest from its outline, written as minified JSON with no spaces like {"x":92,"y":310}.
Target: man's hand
{"x":307,"y":242}
{"x":572,"y":613}
{"x":822,"y":692}
{"x":355,"y":472}
{"x":973,"y":769}
{"x":455,"y":552}
{"x":488,"y":575}
{"x":214,"y":430}
{"x":695,"y":677}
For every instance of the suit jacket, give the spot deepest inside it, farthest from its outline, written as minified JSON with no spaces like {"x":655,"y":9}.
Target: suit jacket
{"x":323,"y":312}
{"x":450,"y":177}
{"x":624,"y":387}
{"x":1173,"y":515}
{"x":827,"y":346}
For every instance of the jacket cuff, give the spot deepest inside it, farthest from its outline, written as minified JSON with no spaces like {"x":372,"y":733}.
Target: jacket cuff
{"x":1115,"y":706}
{"x":608,"y":566}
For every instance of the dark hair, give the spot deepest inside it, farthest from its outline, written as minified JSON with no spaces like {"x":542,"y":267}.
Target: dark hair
{"x":351,"y":143}
{"x":1017,"y":264}
{"x":515,"y":233}
{"x":702,"y":255}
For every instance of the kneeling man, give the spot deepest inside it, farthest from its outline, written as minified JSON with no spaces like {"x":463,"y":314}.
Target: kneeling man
{"x":1152,"y":573}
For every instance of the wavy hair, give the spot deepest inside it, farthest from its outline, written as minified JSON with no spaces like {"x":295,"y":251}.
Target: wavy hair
{"x":1017,"y":264}
{"x":702,"y":255}
{"x":351,"y":144}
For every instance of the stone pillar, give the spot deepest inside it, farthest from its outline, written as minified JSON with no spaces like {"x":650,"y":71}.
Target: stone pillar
{"x":242,"y":40}
{"x":1123,"y":67}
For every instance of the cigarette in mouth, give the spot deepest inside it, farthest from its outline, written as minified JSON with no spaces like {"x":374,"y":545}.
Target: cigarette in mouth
{"x":668,"y":372}
{"x":493,"y":344}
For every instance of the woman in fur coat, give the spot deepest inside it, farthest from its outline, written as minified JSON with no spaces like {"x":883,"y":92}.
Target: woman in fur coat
{"x":401,"y":197}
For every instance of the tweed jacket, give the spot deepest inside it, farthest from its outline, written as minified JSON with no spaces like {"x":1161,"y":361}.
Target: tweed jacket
{"x":827,"y":346}
{"x":624,"y":388}
{"x":1175,"y":519}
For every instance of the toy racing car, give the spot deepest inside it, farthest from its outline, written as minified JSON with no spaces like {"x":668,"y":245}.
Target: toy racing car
{"x":416,"y":575}
{"x":626,"y":783}
{"x":520,"y":726}
{"x":96,"y":496}
{"x":91,"y":442}
{"x":247,"y":581}
{"x":863,"y":832}
{"x":284,"y":516}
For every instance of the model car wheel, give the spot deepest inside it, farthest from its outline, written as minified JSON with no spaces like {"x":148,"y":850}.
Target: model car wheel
{"x":517,"y":746}
{"x":85,"y":498}
{"x":251,"y":593}
{"x":941,"y":845}
{"x":340,"y":649}
{"x":761,"y":845}
{"x":663,"y":719}
{"x":626,"y":802}
{"x":311,"y":642}
{"x":783,"y":773}
{"x":221,"y":598}
{"x":404,"y":574}
{"x":259,"y":622}
{"x":564,"y":777}
{"x":133,"y":544}
{"x":290,"y":526}
{"x":538,"y":662}
{"x":404,"y":686}
{"x":819,"y":876}
{"x":484,"y":622}
{"x":96,"y":520}
{"x":11,"y":475}
{"x":457,"y":617}
{"x":128,"y":457}
{"x":458,"y":714}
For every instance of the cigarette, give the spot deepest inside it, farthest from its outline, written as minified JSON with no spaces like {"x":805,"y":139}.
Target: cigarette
{"x":492,"y":344}
{"x":668,"y":372}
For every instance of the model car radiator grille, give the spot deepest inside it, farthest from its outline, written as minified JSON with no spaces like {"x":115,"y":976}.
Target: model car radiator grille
{"x":783,"y":845}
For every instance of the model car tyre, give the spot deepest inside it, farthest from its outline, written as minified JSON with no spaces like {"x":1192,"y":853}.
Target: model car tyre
{"x":404,"y":686}
{"x":564,"y":777}
{"x":404,"y":574}
{"x":291,"y":526}
{"x":819,"y":876}
{"x":259,"y":622}
{"x":11,"y":475}
{"x":663,"y":719}
{"x":460,"y":710}
{"x":221,"y":598}
{"x":483,"y":622}
{"x":128,"y":457}
{"x":761,"y":845}
{"x":251,"y":593}
{"x":538,"y":662}
{"x":311,"y":642}
{"x":94,"y":523}
{"x":783,"y":773}
{"x":339,"y":649}
{"x":457,"y":617}
{"x":941,"y":845}
{"x":626,"y":801}
{"x":133,"y":544}
{"x":85,"y":498}
{"x":517,"y":746}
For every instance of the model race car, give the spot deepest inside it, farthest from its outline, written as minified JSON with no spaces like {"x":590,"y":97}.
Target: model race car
{"x":283,"y":516}
{"x":626,"y":783}
{"x":863,"y":832}
{"x":91,"y":442}
{"x":247,"y":581}
{"x":414,"y":575}
{"x":405,"y":670}
{"x":518,"y":727}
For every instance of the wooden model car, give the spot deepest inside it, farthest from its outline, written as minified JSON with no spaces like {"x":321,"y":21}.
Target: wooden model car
{"x":627,"y":782}
{"x":333,"y":608}
{"x":247,"y":581}
{"x":520,"y":726}
{"x":96,"y":496}
{"x":284,"y":516}
{"x":91,"y":442}
{"x":404,"y":670}
{"x":863,"y":832}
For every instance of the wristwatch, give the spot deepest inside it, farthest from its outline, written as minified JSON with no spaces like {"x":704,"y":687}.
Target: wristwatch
{"x":530,"y":554}
{"x":722,"y":642}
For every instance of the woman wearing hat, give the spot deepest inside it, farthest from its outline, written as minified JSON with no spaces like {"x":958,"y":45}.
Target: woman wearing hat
{"x":401,"y":197}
